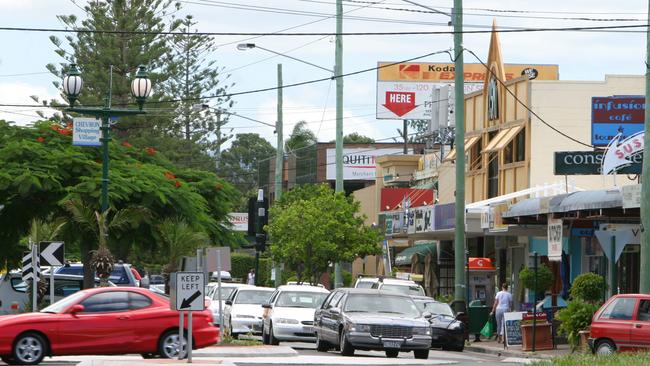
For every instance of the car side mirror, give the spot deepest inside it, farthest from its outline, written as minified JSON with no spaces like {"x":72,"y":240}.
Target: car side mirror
{"x":78,"y":308}
{"x":427,"y":315}
{"x":267,"y":306}
{"x":228,"y":302}
{"x":144,"y":282}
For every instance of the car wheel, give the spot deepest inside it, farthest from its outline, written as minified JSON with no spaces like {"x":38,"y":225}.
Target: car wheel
{"x":604,"y":347}
{"x":392,"y":353}
{"x":170,"y":346}
{"x":321,"y":345}
{"x":272,"y":340}
{"x":345,"y":346}
{"x":421,"y":354}
{"x":29,"y":349}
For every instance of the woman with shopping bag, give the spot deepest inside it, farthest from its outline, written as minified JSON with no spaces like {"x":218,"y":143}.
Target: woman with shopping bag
{"x":502,"y":305}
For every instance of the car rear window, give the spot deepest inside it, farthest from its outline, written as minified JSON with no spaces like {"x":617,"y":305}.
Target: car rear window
{"x":253,"y":297}
{"x":619,"y":309}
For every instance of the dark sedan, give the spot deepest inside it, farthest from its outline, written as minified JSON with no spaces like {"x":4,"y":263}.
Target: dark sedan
{"x":447,"y":332}
{"x":369,"y":319}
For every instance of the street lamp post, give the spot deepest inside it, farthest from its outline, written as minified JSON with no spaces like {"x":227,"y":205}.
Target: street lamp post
{"x":140,"y":87}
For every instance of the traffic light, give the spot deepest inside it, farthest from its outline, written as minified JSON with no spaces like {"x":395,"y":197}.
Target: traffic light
{"x":252,"y":216}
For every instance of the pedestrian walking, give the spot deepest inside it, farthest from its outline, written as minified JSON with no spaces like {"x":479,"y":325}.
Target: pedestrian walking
{"x":502,"y":304}
{"x":251,"y":277}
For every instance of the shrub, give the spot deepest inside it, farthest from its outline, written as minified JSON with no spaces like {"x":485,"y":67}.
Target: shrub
{"x":544,"y":278}
{"x":576,"y":317}
{"x":240,"y":265}
{"x":347,"y":278}
{"x":588,"y":287}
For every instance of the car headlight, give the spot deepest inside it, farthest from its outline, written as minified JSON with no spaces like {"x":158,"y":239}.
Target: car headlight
{"x":421,"y":331}
{"x":242,"y":316}
{"x":362,"y":328}
{"x":455,"y":326}
{"x":285,"y":321}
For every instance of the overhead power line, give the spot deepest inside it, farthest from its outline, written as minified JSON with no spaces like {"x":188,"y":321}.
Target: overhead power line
{"x":305,"y":34}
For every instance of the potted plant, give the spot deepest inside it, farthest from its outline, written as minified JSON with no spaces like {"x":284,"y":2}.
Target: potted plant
{"x":538,"y":282}
{"x":586,"y":295}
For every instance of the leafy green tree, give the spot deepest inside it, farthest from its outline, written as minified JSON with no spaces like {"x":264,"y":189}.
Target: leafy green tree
{"x":301,"y":136}
{"x":239,"y":164}
{"x":312,"y":227}
{"x":356,"y":138}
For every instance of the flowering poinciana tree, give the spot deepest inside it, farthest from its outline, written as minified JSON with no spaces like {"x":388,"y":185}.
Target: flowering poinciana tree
{"x":41,"y":170}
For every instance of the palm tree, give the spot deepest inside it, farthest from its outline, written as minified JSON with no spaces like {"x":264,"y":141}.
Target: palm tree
{"x":98,"y":225}
{"x":41,"y":230}
{"x":178,"y":238}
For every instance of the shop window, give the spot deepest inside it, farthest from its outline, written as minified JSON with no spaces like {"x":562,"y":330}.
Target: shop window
{"x":593,"y":259}
{"x":515,"y":151}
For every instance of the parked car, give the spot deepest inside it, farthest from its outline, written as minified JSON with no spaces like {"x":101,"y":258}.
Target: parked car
{"x":225,"y":276}
{"x":212,"y":293}
{"x":100,"y":321}
{"x":156,"y":280}
{"x":243,"y":311}
{"x":447,"y":332}
{"x":289,"y":313}
{"x":371,"y":319}
{"x":14,"y":296}
{"x":621,"y":324}
{"x":404,"y":287}
{"x":121,"y":275}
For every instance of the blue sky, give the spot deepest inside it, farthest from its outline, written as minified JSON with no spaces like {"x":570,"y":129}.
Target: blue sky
{"x":580,"y":55}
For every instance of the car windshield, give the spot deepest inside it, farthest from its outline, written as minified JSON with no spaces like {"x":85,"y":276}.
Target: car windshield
{"x":61,"y":305}
{"x":364,"y":284}
{"x":435,"y":308}
{"x":257,"y":297}
{"x":382,"y":304}
{"x":225,"y":292}
{"x":292,"y":299}
{"x":404,"y":289}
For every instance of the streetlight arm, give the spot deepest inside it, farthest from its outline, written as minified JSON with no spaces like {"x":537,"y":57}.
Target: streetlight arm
{"x":295,"y":59}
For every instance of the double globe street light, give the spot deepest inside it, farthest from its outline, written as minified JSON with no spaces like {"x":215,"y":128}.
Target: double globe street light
{"x":140,"y":88}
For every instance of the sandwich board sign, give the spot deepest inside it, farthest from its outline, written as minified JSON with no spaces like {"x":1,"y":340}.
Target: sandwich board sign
{"x":188,"y":291}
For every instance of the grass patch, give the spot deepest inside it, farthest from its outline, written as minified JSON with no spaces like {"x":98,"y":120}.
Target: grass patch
{"x":228,"y":340}
{"x":619,"y":359}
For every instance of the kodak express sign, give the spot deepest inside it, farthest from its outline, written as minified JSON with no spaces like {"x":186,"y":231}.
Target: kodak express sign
{"x":445,"y":72}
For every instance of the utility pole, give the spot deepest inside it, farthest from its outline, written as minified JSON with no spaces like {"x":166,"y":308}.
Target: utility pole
{"x":338,"y":71}
{"x":279,"y":162}
{"x":459,"y":112}
{"x":406,"y":137}
{"x":644,"y":285}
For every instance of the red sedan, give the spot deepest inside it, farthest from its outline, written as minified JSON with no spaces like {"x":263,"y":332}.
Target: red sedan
{"x":101,"y":321}
{"x":622,"y":323}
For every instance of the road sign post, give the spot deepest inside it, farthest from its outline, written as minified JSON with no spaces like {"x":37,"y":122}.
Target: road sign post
{"x":187,"y":294}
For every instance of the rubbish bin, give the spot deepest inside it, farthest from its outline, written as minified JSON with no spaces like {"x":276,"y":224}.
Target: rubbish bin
{"x":478,"y":316}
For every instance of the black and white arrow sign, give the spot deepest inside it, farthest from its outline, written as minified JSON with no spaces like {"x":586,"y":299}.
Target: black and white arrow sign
{"x":29,"y":270}
{"x":187,"y":291}
{"x":52,"y":253}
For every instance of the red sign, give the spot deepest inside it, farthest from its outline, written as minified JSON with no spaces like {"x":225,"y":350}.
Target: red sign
{"x":481,"y":264}
{"x":618,"y":109}
{"x":400,"y":103}
{"x":391,"y":198}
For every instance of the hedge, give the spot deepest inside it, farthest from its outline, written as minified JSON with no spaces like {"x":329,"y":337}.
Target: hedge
{"x":242,"y":263}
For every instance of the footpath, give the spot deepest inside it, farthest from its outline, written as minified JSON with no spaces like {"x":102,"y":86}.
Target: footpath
{"x":493,"y":348}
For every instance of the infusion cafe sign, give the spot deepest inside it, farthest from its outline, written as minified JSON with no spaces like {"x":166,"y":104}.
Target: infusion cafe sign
{"x":622,"y":152}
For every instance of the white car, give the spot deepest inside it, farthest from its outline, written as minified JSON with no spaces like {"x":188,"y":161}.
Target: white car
{"x":404,"y":287}
{"x":289,"y":314}
{"x":212,"y":293}
{"x":243,"y":311}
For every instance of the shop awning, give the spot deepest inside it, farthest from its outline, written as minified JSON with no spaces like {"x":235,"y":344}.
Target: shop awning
{"x":469,"y":142}
{"x":590,"y":200}
{"x":503,"y":138}
{"x":404,"y":257}
{"x":534,"y":206}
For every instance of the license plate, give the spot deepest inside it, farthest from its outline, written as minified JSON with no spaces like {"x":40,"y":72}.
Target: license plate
{"x":307,"y":329}
{"x":392,"y":344}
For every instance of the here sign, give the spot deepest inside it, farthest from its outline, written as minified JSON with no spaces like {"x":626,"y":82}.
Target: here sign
{"x":187,"y":291}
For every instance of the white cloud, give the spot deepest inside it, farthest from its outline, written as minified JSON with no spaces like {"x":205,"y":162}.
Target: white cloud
{"x":19,"y":93}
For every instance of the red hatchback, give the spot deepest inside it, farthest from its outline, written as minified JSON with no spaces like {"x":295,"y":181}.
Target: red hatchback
{"x":100,"y":321}
{"x":622,"y":323}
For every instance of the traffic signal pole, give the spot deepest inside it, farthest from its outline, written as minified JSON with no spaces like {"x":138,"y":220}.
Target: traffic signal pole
{"x":260,"y":237}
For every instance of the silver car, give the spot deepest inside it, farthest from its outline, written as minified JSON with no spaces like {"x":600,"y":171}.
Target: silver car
{"x":243,"y":311}
{"x":367,"y":319}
